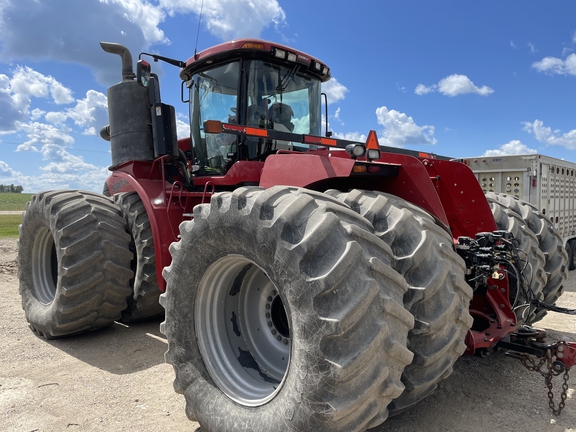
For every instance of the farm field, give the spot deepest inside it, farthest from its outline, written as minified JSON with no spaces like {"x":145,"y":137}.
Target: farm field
{"x":11,"y":206}
{"x":14,"y":201}
{"x":9,"y":225}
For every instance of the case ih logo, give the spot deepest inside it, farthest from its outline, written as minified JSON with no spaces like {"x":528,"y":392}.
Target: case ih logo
{"x":119,"y":185}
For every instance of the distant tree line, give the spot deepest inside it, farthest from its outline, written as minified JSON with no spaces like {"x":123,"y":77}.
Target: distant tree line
{"x":11,"y":188}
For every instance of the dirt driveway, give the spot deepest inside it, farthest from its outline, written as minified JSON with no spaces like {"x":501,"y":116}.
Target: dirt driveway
{"x":116,"y":380}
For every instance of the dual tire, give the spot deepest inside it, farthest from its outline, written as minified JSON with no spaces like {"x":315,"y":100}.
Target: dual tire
{"x":79,"y":267}
{"x":438,"y":294}
{"x":255,"y":265}
{"x":571,"y":251}
{"x":285,"y":310}
{"x":73,"y":262}
{"x":544,"y":259}
{"x":143,"y":301}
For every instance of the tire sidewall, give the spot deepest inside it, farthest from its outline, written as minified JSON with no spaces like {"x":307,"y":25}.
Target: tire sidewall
{"x":285,"y":409}
{"x":35,"y":219}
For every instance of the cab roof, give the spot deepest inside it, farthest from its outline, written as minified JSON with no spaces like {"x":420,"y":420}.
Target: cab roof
{"x":254,"y":49}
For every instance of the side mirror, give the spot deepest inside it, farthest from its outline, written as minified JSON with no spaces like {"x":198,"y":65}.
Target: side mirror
{"x":143,"y":73}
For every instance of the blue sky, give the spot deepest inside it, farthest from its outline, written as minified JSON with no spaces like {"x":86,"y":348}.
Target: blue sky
{"x":454,"y":78}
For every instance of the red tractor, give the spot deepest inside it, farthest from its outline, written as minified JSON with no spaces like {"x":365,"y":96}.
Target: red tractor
{"x":308,"y":283}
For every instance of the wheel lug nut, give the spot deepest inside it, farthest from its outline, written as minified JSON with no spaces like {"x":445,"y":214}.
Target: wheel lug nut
{"x":269,"y":298}
{"x":267,"y":315}
{"x":274,"y":332}
{"x":279,"y":337}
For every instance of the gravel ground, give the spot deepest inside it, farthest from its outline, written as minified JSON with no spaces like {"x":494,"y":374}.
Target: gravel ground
{"x":116,"y":380}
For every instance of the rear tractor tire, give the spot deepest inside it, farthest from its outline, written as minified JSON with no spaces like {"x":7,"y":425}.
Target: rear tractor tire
{"x":571,"y":250}
{"x":438,"y":294}
{"x":283,"y":314}
{"x":547,"y":258}
{"x":73,"y":262}
{"x":143,"y":302}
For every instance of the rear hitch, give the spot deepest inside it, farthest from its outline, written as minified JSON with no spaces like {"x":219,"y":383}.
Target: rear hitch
{"x":555,"y":358}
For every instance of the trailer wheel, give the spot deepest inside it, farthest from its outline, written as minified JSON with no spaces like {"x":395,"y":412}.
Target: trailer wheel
{"x":283,"y":313}
{"x":143,"y":302}
{"x":73,"y":262}
{"x":439,"y":295}
{"x":549,"y":243}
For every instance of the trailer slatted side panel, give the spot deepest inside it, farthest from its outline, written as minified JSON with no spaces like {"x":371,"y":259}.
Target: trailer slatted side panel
{"x":544,"y":181}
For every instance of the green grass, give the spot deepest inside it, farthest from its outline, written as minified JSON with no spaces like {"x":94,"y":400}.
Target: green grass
{"x":14,"y":201}
{"x":9,"y":225}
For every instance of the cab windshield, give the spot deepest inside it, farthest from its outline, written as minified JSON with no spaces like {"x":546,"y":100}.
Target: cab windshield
{"x":274,"y":97}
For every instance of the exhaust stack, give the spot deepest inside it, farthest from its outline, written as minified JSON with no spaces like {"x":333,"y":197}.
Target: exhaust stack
{"x":124,"y":53}
{"x":130,"y":130}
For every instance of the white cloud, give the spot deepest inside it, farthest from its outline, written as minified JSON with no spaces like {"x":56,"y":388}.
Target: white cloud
{"x":454,"y":85}
{"x":554,"y":65}
{"x":70,"y":31}
{"x":182,"y":126}
{"x":143,"y":14}
{"x":28,"y":82}
{"x":421,"y":89}
{"x":45,"y":136}
{"x":55,"y":117}
{"x":72,"y":172}
{"x":16,"y":95}
{"x":36,"y":113}
{"x":532,"y":47}
{"x":6,"y":171}
{"x":352,"y":136}
{"x":513,"y":45}
{"x":566,"y":51}
{"x":401,"y":130}
{"x":90,"y":112}
{"x":337,"y":116}
{"x":546,"y":135}
{"x":334,"y":90}
{"x":232,"y":19}
{"x":514,"y":147}
{"x":50,"y":139}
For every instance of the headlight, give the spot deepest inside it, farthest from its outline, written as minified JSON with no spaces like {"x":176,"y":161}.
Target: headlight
{"x":373,"y":154}
{"x":355,"y":150}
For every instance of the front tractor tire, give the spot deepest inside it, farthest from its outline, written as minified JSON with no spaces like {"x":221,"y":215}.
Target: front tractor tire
{"x":73,"y":262}
{"x":283,"y":314}
{"x":438,"y":294}
{"x":143,"y":302}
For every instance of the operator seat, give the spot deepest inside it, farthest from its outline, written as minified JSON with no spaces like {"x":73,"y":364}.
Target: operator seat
{"x":281,"y":115}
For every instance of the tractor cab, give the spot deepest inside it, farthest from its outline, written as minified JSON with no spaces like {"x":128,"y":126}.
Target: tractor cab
{"x":255,"y":84}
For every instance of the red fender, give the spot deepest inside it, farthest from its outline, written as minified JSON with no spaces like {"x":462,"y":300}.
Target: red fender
{"x":462,"y":197}
{"x":165,"y":214}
